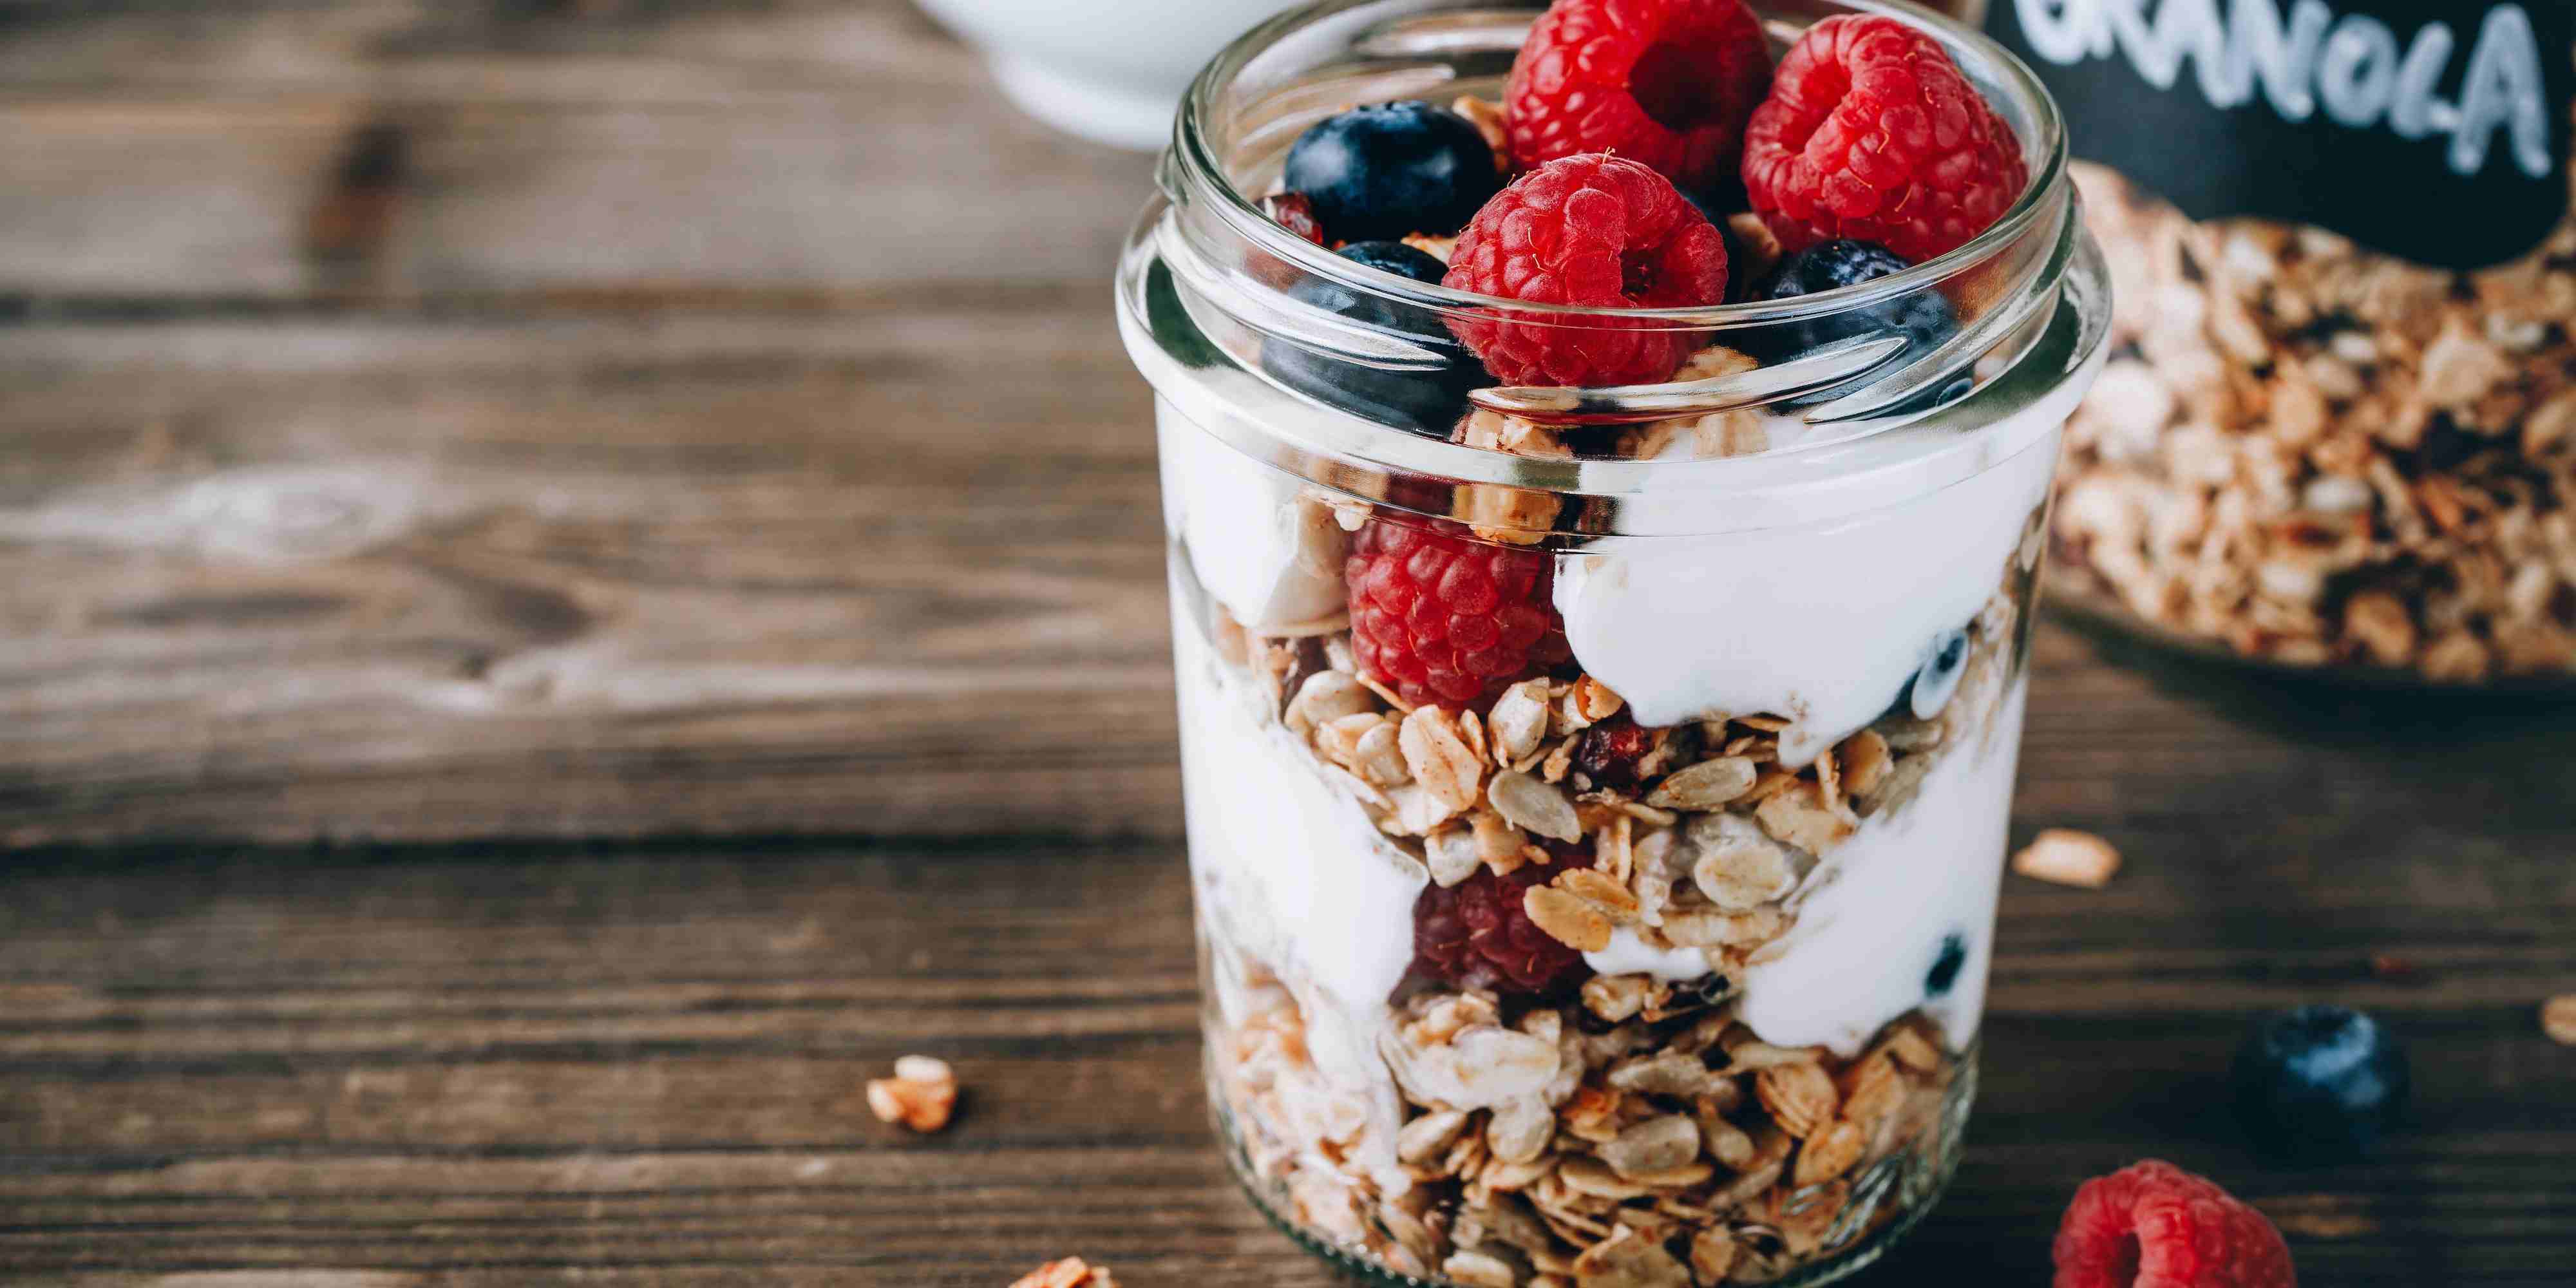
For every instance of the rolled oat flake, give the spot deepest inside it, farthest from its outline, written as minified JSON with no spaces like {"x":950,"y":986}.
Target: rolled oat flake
{"x":2432,"y":130}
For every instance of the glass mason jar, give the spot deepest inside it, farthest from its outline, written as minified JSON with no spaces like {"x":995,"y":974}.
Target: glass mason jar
{"x":1659,"y":958}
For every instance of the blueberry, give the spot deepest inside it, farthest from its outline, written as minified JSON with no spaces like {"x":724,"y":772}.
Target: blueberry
{"x":1924,"y":317}
{"x":1424,"y":402}
{"x":2319,"y":1083}
{"x":1945,"y":968}
{"x":1938,"y":677}
{"x":1397,"y":258}
{"x":1388,"y":169}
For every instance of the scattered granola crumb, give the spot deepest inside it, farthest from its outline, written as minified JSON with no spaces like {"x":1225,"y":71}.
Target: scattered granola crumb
{"x":920,"y":1095}
{"x":2558,"y":1019}
{"x":2318,"y":1216}
{"x":2068,"y":857}
{"x":1071,"y":1272}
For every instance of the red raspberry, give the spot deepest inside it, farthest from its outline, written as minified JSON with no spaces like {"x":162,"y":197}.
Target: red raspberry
{"x":1665,"y":82}
{"x":1586,"y":230}
{"x":2154,"y":1225}
{"x":1477,"y":934}
{"x":1871,"y":133}
{"x":1444,"y":620}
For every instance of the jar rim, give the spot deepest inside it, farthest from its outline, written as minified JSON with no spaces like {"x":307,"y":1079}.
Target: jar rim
{"x":1191,"y":169}
{"x":1195,"y":310}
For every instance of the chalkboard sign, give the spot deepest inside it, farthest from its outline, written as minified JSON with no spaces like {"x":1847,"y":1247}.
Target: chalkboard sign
{"x":2430,"y":129}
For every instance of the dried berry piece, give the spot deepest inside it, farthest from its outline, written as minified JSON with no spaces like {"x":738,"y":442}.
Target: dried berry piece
{"x":1610,"y":753}
{"x":1478,"y":933}
{"x":1294,"y":211}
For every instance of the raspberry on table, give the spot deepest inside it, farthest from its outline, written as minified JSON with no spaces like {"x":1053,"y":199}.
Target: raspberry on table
{"x":2154,"y":1225}
{"x":1445,"y":620}
{"x":1476,"y":934}
{"x":1587,"y":230}
{"x":1871,"y":133}
{"x":1666,"y":82}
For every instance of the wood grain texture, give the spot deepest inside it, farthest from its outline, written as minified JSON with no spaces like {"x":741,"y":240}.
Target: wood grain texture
{"x":543,"y":431}
{"x":644,"y":1066}
{"x":419,"y":579}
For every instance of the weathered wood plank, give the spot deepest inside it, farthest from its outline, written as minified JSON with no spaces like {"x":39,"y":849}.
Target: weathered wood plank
{"x":406,"y":577}
{"x":614,"y":419}
{"x":744,"y":566}
{"x":405,"y":150}
{"x":400,"y":1063}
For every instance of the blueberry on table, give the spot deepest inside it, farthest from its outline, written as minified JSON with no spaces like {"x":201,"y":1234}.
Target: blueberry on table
{"x":1421,"y":401}
{"x":2320,"y":1083}
{"x":1388,"y":169}
{"x":1938,"y":678}
{"x":1923,"y":317}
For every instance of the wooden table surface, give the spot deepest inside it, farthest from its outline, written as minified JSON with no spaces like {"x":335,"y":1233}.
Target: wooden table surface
{"x":579,"y":577}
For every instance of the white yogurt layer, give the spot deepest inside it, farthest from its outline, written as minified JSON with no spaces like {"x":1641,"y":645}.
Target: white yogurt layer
{"x":1821,"y":624}
{"x":1290,"y":871}
{"x":1866,"y":940}
{"x":1630,"y":955}
{"x":1272,"y":561}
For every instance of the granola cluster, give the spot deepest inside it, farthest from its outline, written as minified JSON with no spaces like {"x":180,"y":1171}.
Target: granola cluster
{"x":1638,"y":1138}
{"x":1628,"y":1131}
{"x":2323,"y":456}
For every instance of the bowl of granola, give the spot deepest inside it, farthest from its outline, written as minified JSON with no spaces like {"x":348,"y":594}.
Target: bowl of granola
{"x":1602,"y":549}
{"x":2337,"y":432}
{"x":2309,"y":455}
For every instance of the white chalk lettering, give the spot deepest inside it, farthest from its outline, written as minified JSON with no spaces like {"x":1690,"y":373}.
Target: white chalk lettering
{"x":2503,"y":91}
{"x":2353,"y":66}
{"x":2358,"y":74}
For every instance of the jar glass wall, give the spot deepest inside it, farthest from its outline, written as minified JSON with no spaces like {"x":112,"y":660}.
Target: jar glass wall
{"x":1595,"y":828}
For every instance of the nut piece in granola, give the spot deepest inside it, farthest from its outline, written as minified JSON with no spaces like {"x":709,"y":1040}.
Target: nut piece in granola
{"x":1740,"y":867}
{"x":1533,"y":806}
{"x":1800,"y":1097}
{"x":1707,"y":785}
{"x":1628,"y":1259}
{"x":1567,"y":919}
{"x":1071,"y":1272}
{"x":920,"y":1095}
{"x":2068,"y":857}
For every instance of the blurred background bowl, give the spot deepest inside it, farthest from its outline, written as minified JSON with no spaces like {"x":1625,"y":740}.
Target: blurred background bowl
{"x":1112,"y":72}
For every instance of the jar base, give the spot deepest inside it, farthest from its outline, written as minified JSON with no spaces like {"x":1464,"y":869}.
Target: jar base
{"x":1917,"y":1180}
